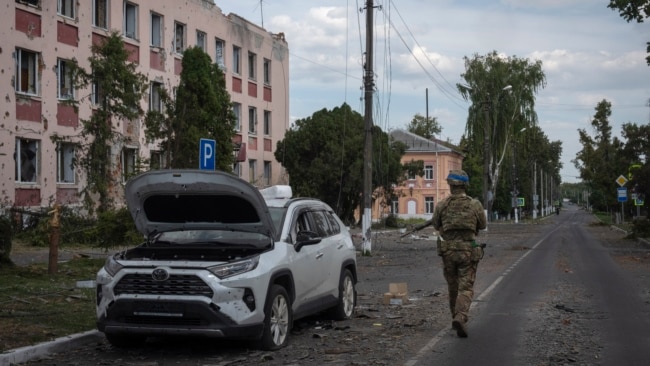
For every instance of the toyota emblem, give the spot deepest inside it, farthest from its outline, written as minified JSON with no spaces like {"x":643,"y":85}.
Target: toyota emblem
{"x":160,"y":274}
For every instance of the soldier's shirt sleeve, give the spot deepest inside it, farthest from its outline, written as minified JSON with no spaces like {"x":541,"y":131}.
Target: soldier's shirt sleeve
{"x":481,"y":222}
{"x":435,"y":220}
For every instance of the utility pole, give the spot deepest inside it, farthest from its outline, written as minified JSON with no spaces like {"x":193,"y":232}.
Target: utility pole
{"x":369,"y":84}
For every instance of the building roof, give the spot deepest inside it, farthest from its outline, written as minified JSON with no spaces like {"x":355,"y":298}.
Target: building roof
{"x":416,"y":143}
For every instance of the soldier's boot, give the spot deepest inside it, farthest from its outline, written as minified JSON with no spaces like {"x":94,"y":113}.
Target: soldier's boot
{"x":459,"y":326}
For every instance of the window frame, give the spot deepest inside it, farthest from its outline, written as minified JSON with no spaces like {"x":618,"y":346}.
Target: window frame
{"x":155,"y":99}
{"x":32,"y":70}
{"x":428,"y":171}
{"x":20,"y":163}
{"x":130,"y":15}
{"x":252,"y":66}
{"x":66,"y":8}
{"x":429,"y":205}
{"x":268,"y":170}
{"x":220,"y":47}
{"x":236,"y":108}
{"x":64,"y":80}
{"x":129,"y":162}
{"x":178,"y":26}
{"x":252,"y":167}
{"x":158,"y":157}
{"x":65,"y":158}
{"x":267,"y":71}
{"x":157,"y":22}
{"x":267,"y":122}
{"x":252,"y":120}
{"x":100,"y":14}
{"x":236,"y":60}
{"x":202,"y":40}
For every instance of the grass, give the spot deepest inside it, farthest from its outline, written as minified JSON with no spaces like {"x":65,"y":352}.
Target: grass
{"x":36,"y":307}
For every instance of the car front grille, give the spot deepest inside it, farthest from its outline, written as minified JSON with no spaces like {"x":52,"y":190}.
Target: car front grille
{"x":143,"y":284}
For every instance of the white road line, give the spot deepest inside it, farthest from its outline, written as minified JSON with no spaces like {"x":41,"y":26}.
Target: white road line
{"x":436,"y":338}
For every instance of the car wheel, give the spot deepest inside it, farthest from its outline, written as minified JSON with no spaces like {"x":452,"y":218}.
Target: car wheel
{"x":277,"y":320}
{"x":347,"y":297}
{"x":124,"y":340}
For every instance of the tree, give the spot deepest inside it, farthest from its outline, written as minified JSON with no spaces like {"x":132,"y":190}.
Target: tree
{"x":117,"y":90}
{"x":636,"y":152}
{"x":426,"y":127}
{"x":202,"y":109}
{"x":599,"y":162}
{"x":323,"y":155}
{"x":502,"y":91}
{"x":630,"y":10}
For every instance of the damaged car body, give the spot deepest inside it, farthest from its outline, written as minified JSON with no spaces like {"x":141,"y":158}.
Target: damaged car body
{"x":224,"y":259}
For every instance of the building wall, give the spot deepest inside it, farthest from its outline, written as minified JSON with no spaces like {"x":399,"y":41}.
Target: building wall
{"x":35,"y":35}
{"x":412,"y":194}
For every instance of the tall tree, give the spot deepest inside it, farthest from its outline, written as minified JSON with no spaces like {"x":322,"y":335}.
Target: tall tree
{"x":426,"y":127}
{"x":502,"y":92}
{"x":636,"y":152}
{"x":600,"y":161}
{"x":117,"y":91}
{"x":202,"y":109}
{"x":323,"y":155}
{"x":633,"y":10}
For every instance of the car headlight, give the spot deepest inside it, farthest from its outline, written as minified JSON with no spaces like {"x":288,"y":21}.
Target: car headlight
{"x":235,"y":268}
{"x":112,"y":266}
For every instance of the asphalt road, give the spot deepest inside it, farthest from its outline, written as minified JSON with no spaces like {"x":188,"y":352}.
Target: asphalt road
{"x":566,"y":291}
{"x":550,"y":293}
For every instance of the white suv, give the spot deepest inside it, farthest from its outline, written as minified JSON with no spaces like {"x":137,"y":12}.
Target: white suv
{"x":222,"y":259}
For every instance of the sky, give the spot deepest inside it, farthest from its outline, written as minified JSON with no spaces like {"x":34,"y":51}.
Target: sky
{"x":588,"y":53}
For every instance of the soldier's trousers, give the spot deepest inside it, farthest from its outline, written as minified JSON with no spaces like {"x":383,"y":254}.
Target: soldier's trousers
{"x":460,"y":273}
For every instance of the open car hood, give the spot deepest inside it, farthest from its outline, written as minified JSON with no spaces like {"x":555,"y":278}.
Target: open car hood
{"x":169,"y":200}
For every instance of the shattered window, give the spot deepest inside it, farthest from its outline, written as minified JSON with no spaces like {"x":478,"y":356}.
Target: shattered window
{"x":26,"y":157}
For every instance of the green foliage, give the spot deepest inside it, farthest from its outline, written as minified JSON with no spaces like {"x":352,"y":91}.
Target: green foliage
{"x":6,"y":233}
{"x":202,"y":109}
{"x":633,"y":10}
{"x":423,"y":126}
{"x":323,"y":155}
{"x":119,"y":89}
{"x":502,"y":91}
{"x":601,"y":159}
{"x":111,"y":228}
{"x":641,"y":228}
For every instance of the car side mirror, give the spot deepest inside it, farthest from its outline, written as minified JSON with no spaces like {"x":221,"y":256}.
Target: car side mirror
{"x":306,"y":237}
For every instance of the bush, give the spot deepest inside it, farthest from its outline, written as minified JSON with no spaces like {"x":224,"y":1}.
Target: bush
{"x":6,"y":233}
{"x":110,"y":228}
{"x":641,"y":228}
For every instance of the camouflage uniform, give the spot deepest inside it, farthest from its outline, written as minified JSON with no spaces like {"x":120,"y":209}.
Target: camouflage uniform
{"x":458,"y":219}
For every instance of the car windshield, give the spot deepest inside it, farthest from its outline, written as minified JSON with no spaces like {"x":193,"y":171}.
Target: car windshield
{"x":277,"y":215}
{"x":211,"y":237}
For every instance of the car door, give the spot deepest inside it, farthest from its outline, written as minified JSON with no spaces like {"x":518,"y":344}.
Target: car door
{"x":308,"y":265}
{"x":330,"y":258}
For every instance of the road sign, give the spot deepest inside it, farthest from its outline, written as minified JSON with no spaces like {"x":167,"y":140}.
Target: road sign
{"x":622,"y":194}
{"x":621,"y":180}
{"x":638,"y":202}
{"x":520,"y":202}
{"x":207,"y":154}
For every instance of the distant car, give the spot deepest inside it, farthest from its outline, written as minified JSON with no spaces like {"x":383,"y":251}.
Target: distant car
{"x":224,"y":259}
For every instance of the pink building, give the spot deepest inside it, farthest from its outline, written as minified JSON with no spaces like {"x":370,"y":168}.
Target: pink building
{"x":418,"y":196}
{"x":39,"y":39}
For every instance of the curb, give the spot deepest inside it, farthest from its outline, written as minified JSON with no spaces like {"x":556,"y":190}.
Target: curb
{"x":24,"y":354}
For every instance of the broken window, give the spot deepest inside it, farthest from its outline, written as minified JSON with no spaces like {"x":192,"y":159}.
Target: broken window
{"x":201,"y":40}
{"x":100,"y":14}
{"x":267,"y":71}
{"x":236,"y":108}
{"x":129,"y":160}
{"x":155,"y":101}
{"x":179,"y":37}
{"x":267,"y":173}
{"x":267,"y":123}
{"x":252,"y":66}
{"x":26,"y":72}
{"x":66,"y":8}
{"x":65,"y":163}
{"x":26,"y":157}
{"x":219,"y":53}
{"x":65,"y":89}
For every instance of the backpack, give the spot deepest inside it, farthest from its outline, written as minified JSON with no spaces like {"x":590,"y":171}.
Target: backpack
{"x":458,"y":214}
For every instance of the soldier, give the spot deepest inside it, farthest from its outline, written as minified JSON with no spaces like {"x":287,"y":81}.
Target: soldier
{"x":458,"y":219}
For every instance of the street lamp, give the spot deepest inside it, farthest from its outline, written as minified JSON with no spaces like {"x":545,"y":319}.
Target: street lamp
{"x":515,"y":203}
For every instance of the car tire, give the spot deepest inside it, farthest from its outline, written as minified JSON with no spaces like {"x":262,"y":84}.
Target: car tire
{"x":277,"y":320}
{"x":347,"y":297}
{"x":125,"y":341}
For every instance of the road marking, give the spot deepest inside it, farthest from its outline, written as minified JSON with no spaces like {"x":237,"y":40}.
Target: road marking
{"x":436,"y":338}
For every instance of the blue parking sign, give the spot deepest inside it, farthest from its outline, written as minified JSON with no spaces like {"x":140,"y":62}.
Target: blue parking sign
{"x":207,"y":154}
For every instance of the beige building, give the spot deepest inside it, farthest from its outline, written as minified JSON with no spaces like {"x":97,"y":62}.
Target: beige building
{"x":417,"y":196}
{"x":41,"y":37}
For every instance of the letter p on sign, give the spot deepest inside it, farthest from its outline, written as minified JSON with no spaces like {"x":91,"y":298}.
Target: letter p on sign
{"x":207,"y":154}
